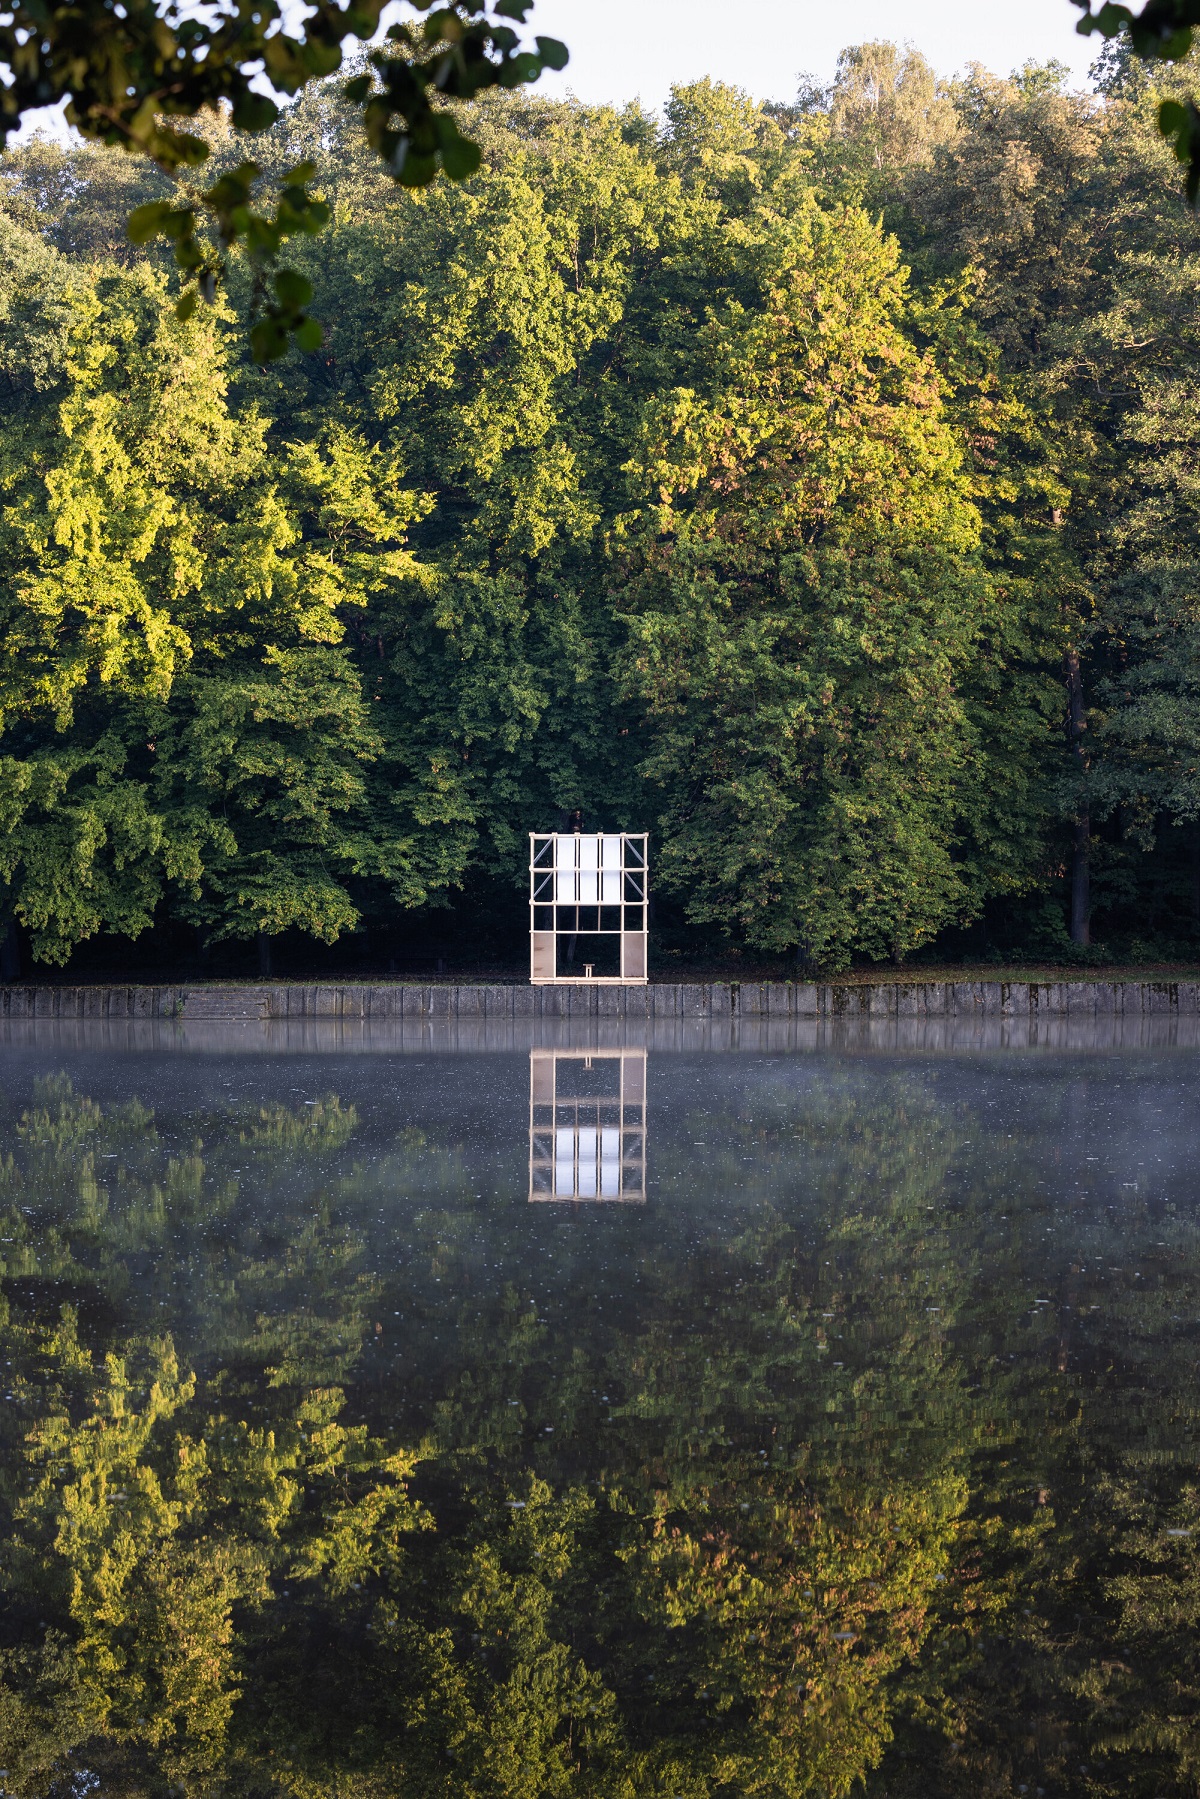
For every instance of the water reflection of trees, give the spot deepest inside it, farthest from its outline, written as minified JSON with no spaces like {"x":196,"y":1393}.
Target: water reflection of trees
{"x":820,"y":1497}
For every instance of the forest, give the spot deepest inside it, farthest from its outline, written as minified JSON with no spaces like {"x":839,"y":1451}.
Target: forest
{"x":814,"y":486}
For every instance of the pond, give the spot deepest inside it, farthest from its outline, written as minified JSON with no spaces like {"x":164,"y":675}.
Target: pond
{"x":598,"y":1418}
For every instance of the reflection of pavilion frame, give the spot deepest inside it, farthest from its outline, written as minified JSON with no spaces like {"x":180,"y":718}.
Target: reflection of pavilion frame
{"x":587,"y":1144}
{"x":587,"y":884}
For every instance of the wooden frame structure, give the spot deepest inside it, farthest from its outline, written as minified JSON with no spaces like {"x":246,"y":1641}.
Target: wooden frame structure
{"x":588,"y":884}
{"x":587,"y":1125}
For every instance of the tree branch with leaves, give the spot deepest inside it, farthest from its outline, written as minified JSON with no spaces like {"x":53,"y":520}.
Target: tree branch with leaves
{"x":1163,"y":31}
{"x":132,"y":72}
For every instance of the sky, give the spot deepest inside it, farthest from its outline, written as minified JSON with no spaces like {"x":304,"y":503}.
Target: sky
{"x":630,"y":49}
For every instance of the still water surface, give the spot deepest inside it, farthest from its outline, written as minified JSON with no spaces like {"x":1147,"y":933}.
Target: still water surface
{"x":631,"y":1424}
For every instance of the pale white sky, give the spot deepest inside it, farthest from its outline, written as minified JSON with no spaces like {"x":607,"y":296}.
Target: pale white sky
{"x":625,"y":49}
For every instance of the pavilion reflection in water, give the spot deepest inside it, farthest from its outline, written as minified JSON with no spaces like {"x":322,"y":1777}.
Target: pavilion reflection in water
{"x":587,"y":1124}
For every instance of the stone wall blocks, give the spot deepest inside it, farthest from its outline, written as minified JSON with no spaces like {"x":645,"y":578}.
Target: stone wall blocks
{"x":848,"y":1004}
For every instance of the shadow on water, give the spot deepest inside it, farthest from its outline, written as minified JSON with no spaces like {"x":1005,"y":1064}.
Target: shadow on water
{"x":599,"y":1419}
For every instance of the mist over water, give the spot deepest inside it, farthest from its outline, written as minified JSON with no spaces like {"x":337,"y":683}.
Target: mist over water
{"x":844,"y":1430}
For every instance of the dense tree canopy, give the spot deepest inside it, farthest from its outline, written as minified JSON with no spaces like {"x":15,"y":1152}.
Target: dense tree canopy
{"x":133,"y":74}
{"x":812,"y":484}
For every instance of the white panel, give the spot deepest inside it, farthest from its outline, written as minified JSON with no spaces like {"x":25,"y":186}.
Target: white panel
{"x":610,"y":1163}
{"x":564,"y":1162}
{"x":541,"y":1079}
{"x":587,"y":1161}
{"x":633,"y":957}
{"x":566,"y":850}
{"x":543,"y":955}
{"x":589,"y":862}
{"x":610,"y":887}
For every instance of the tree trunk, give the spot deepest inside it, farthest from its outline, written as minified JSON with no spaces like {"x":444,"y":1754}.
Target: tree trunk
{"x":264,"y":955}
{"x":1081,"y":890}
{"x":10,"y":951}
{"x":1081,"y":844}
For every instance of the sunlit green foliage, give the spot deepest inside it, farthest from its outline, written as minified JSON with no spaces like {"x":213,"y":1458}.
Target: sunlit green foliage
{"x":181,"y":712}
{"x":809,"y":607}
{"x":754,"y":477}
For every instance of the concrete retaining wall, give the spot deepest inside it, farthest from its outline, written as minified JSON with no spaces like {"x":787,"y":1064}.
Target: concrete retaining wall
{"x":660,"y":1000}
